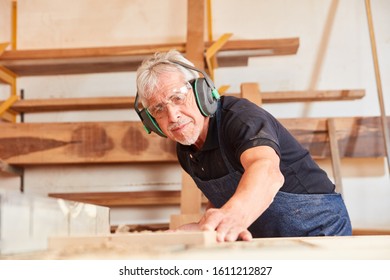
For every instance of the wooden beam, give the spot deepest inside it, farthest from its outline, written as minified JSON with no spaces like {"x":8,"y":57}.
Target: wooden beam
{"x":370,"y":231}
{"x":127,"y":142}
{"x":136,"y":240}
{"x":358,"y":137}
{"x":121,"y":199}
{"x":124,"y":102}
{"x":251,"y":91}
{"x":195,"y":53}
{"x":191,"y":199}
{"x":312,"y":96}
{"x":65,"y":143}
{"x":4,"y":106}
{"x":127,"y":199}
{"x":73,"y":104}
{"x":212,"y":51}
{"x":14,"y":24}
{"x":3,"y":46}
{"x":7,"y":76}
{"x":335,"y":155}
{"x":385,"y":128}
{"x":8,"y":116}
{"x":128,"y":58}
{"x":195,"y":32}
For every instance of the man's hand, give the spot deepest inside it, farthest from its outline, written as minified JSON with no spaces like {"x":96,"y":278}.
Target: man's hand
{"x":229,"y":226}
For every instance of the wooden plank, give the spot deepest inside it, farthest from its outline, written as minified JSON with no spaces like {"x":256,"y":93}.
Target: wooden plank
{"x":3,"y":46}
{"x":335,"y":155}
{"x":7,"y":76}
{"x":370,"y":231}
{"x":195,"y":53}
{"x":127,"y":142}
{"x":124,"y":102}
{"x":4,"y":106}
{"x":378,"y":80}
{"x":212,"y":51}
{"x":231,"y":58}
{"x":251,"y":91}
{"x":139,"y":51}
{"x":195,"y":32}
{"x":14,"y":22}
{"x":293,"y":248}
{"x":358,"y":137}
{"x":191,"y":197}
{"x":100,"y":142}
{"x":136,"y":240}
{"x":312,"y":96}
{"x":73,"y":104}
{"x":8,"y":116}
{"x":128,"y":58}
{"x":120,"y":199}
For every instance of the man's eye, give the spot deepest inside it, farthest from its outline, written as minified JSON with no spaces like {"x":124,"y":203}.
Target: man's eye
{"x":177,"y":98}
{"x":158,"y":109}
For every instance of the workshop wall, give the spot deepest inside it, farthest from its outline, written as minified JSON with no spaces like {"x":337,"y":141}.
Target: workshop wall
{"x":334,"y":53}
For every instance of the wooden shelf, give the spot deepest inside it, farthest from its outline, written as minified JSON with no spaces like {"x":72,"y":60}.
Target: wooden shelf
{"x":116,"y":102}
{"x":128,"y":58}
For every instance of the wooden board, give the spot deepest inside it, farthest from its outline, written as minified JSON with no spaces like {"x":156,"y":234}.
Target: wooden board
{"x":127,"y":142}
{"x":288,"y":248}
{"x":146,"y":239}
{"x":101,"y":142}
{"x":128,"y":58}
{"x":119,"y":199}
{"x":357,"y":137}
{"x":124,"y":102}
{"x":195,"y":32}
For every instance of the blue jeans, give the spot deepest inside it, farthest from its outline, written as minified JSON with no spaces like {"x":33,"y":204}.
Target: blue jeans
{"x":303,"y":215}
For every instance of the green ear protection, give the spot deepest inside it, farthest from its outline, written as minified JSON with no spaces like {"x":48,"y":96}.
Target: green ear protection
{"x":206,"y":96}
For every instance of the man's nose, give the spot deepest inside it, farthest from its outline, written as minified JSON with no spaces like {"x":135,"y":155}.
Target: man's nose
{"x":173,"y":112}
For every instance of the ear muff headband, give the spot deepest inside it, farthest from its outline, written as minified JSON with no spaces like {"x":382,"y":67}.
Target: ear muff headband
{"x":185,"y":65}
{"x":206,"y":94}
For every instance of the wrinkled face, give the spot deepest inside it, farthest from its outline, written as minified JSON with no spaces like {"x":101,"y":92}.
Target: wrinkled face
{"x":174,"y":107}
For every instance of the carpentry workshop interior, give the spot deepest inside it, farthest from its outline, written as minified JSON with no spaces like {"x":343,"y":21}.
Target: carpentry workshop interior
{"x":80,"y":177}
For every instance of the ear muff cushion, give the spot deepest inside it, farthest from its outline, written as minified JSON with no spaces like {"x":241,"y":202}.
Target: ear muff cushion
{"x":207,"y":104}
{"x":150,"y":123}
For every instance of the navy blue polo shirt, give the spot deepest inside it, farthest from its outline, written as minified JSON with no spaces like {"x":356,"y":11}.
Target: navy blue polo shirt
{"x":245,"y":125}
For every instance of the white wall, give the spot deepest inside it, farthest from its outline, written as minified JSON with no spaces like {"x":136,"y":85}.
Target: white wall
{"x":334,"y":53}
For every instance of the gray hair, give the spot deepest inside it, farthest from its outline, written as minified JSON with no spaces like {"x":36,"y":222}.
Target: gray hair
{"x":151,"y":68}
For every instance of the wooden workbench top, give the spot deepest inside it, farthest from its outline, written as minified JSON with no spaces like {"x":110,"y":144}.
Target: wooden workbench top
{"x":306,"y":248}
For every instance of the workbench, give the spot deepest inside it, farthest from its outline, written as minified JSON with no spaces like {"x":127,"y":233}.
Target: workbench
{"x":303,"y":248}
